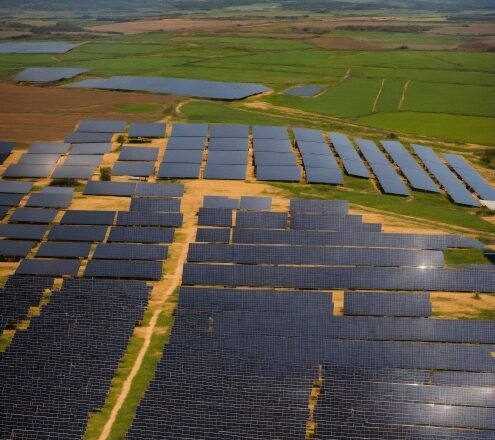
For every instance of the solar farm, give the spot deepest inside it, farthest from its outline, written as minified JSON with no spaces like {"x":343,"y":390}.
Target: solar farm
{"x":235,"y":220}
{"x":291,"y":319}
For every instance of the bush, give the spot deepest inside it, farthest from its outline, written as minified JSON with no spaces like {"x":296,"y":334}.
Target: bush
{"x":105,"y":174}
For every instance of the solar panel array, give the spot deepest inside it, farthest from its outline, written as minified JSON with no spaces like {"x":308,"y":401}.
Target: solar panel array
{"x":273,"y":156}
{"x":352,"y":162}
{"x":417,"y":177}
{"x":72,"y":350}
{"x":147,"y":130}
{"x":174,"y":86}
{"x":251,"y":362}
{"x":452,"y":185}
{"x":470,"y":176}
{"x":319,"y":162}
{"x":44,"y":75}
{"x":390,"y":182}
{"x":6,"y":148}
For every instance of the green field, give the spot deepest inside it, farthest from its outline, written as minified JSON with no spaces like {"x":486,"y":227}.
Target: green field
{"x":389,"y":99}
{"x":450,"y":95}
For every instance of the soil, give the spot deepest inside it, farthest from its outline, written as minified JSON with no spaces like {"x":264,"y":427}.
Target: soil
{"x":30,"y":113}
{"x":468,"y":29}
{"x":174,"y":25}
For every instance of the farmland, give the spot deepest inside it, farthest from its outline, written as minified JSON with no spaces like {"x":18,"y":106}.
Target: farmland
{"x":421,"y":92}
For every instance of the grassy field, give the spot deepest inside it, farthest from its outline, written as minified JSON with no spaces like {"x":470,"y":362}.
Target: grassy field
{"x":457,"y":87}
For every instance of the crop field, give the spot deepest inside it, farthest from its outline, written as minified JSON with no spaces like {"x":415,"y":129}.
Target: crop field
{"x":433,"y":93}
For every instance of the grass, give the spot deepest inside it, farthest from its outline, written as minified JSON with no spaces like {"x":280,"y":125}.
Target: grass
{"x":137,"y":108}
{"x":455,"y":257}
{"x":421,"y":206}
{"x":141,"y":381}
{"x":458,"y":128}
{"x":390,"y":97}
{"x":351,"y":98}
{"x":400,"y":38}
{"x":450,"y":99}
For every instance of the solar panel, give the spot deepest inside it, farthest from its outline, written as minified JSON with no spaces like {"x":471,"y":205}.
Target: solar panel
{"x":15,"y":248}
{"x":336,"y":207}
{"x":83,"y":159}
{"x":79,"y":137}
{"x":146,"y":189}
{"x":225,"y":172}
{"x":416,"y":176}
{"x":91,"y":148}
{"x":227,"y":158}
{"x":91,"y":126}
{"x":263,"y":219}
{"x":275,"y":159}
{"x":64,"y":250}
{"x":213,"y":235}
{"x":23,"y":232}
{"x":141,"y":235}
{"x":320,"y":161}
{"x":220,"y":202}
{"x":135,"y":218}
{"x":155,"y":204}
{"x":179,"y":171}
{"x":308,"y":135}
{"x":316,"y":148}
{"x":147,"y":130}
{"x":183,"y":156}
{"x":309,"y":255}
{"x":49,"y":200}
{"x":48,"y":74}
{"x":34,"y":215}
{"x":228,"y":144}
{"x":190,"y":130}
{"x":269,"y":132}
{"x":472,"y":178}
{"x":229,"y":131}
{"x":15,"y":187}
{"x":272,"y":145}
{"x":34,"y":171}
{"x":77,"y":233}
{"x":87,"y":217}
{"x":186,"y":143}
{"x":215,"y":217}
{"x":142,"y":154}
{"x":38,"y":159}
{"x":452,"y":185}
{"x":388,"y":178}
{"x":52,"y":267}
{"x":84,"y":172}
{"x":312,"y":221}
{"x":145,"y":270}
{"x":256,"y":203}
{"x":305,"y":91}
{"x":174,"y":86}
{"x":98,"y":188}
{"x":6,"y":147}
{"x":332,"y":176}
{"x":276,"y":173}
{"x":118,"y":251}
{"x":7,"y":199}
{"x":139,"y":169}
{"x":373,"y":278}
{"x":37,"y":47}
{"x":3,"y":211}
{"x":351,"y":160}
{"x":387,"y":304}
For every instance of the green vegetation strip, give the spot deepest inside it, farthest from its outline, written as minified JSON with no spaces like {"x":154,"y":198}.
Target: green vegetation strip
{"x":464,"y":256}
{"x":140,"y":384}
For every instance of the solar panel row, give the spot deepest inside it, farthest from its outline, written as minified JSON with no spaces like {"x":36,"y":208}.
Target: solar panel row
{"x":452,"y":185}
{"x":389,"y":180}
{"x":353,"y":164}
